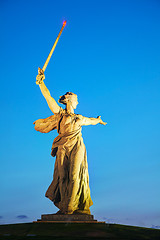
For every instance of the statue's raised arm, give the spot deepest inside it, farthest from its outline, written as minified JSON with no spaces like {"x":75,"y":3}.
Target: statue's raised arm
{"x":55,"y":108}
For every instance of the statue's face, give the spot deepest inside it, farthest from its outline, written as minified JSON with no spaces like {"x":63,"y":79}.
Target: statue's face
{"x":74,"y":101}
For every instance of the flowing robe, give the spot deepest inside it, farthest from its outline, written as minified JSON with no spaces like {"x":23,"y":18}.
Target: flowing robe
{"x":69,"y":189}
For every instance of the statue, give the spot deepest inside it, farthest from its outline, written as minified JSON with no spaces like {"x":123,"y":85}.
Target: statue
{"x":69,"y":189}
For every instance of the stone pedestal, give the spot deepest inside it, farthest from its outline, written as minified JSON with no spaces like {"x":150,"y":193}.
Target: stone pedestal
{"x":75,"y":218}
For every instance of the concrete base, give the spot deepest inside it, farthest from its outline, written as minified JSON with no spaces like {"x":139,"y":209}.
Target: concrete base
{"x":77,"y":218}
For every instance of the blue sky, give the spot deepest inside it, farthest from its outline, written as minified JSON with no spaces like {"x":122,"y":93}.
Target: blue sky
{"x":109,"y":55}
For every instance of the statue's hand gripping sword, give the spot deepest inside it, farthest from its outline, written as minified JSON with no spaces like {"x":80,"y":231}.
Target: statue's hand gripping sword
{"x":40,"y":76}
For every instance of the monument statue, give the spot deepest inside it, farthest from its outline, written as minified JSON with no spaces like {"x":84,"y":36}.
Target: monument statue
{"x":69,"y":189}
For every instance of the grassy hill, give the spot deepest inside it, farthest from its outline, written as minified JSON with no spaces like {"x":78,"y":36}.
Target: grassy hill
{"x":76,"y":231}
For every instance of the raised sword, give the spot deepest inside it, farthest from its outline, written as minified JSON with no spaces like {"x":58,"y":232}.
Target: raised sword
{"x":41,"y":71}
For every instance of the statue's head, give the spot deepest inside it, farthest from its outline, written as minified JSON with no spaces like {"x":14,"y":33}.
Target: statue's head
{"x":69,"y":98}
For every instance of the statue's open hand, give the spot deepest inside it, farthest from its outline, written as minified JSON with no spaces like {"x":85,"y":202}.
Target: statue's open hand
{"x":40,"y":78}
{"x":100,"y":120}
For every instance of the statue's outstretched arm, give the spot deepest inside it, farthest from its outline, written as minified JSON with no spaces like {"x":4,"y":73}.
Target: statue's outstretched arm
{"x":55,"y":108}
{"x":91,"y":121}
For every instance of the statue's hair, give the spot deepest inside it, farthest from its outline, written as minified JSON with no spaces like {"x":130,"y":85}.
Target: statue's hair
{"x":66,"y":97}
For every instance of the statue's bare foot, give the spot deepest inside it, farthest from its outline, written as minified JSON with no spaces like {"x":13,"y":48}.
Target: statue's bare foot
{"x":59,"y":212}
{"x":85,"y":212}
{"x":64,"y":212}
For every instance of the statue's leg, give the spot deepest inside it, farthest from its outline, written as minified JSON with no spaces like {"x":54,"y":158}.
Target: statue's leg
{"x":76,"y":160}
{"x":61,"y":161}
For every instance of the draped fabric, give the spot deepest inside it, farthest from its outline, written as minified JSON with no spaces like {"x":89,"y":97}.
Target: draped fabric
{"x":69,"y":189}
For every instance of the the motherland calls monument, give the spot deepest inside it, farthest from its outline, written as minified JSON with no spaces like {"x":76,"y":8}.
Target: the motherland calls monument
{"x":69,"y":189}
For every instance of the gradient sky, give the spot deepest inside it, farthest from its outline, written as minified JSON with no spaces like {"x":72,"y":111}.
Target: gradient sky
{"x":109,"y":55}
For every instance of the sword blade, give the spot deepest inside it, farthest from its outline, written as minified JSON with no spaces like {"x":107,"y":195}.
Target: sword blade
{"x":54,"y":45}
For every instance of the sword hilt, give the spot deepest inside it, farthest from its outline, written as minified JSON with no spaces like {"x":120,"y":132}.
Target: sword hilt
{"x":40,"y":77}
{"x":40,"y":71}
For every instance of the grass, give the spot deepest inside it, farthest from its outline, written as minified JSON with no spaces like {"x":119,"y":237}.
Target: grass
{"x":76,"y":231}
